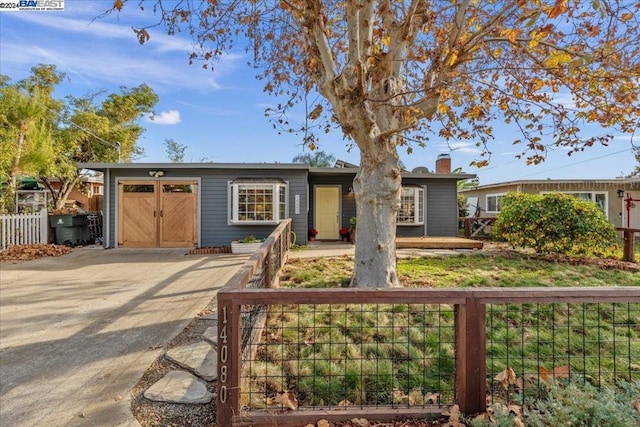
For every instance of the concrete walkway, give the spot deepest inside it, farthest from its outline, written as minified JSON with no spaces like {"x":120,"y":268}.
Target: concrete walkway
{"x":77,"y":332}
{"x":336,"y":249}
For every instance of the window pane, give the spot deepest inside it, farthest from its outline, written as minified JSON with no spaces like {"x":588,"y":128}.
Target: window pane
{"x":601,"y":200}
{"x":406,"y":213}
{"x":255,"y":202}
{"x":421,"y":206}
{"x":494,"y":203}
{"x":283,"y":201}
{"x":138,"y":188}
{"x":171,"y":188}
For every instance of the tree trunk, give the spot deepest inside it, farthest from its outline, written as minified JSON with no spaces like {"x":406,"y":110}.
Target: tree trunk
{"x":377,"y":191}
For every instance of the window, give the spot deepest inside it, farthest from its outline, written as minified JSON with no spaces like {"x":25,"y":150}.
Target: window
{"x":257,"y":202}
{"x":494,"y":202}
{"x":598,"y":198}
{"x":411,"y":210}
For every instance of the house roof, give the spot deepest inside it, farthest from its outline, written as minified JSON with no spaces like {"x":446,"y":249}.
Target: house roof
{"x":405,"y":174}
{"x":268,"y":166}
{"x":539,"y":182}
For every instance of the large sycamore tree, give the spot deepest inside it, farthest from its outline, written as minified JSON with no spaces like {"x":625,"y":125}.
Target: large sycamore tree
{"x":394,"y":73}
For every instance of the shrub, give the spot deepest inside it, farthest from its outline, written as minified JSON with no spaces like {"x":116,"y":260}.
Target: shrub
{"x":584,"y":405}
{"x":572,"y":404}
{"x":555,"y":223}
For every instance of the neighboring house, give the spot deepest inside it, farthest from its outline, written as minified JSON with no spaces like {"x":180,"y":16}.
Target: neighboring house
{"x":211,"y":204}
{"x":87,"y":195}
{"x":619,"y":199}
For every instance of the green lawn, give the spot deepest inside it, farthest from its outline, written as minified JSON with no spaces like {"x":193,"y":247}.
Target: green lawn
{"x":403,"y":353}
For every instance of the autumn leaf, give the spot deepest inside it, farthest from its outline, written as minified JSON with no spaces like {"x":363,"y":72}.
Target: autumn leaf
{"x":432,"y":398}
{"x":360,"y":422}
{"x":143,"y":35}
{"x":506,"y":377}
{"x":399,"y":396}
{"x":558,"y":8}
{"x":118,"y":5}
{"x":315,"y":113}
{"x":557,"y":58}
{"x":345,"y":402}
{"x":454,"y":417}
{"x":323,"y":423}
{"x":558,"y":372}
{"x":287,"y":399}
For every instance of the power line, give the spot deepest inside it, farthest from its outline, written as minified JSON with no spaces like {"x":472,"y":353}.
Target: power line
{"x":576,"y":163}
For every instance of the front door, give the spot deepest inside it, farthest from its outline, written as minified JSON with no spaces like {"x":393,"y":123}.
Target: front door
{"x":327,"y":212}
{"x":157,"y":214}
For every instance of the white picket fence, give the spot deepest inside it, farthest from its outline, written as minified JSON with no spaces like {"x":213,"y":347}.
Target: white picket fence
{"x":23,"y":229}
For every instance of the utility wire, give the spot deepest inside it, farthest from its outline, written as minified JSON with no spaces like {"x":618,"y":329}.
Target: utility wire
{"x":576,"y":163}
{"x":115,"y":145}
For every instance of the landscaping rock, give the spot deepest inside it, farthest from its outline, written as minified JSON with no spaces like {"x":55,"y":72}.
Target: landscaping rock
{"x":200,"y":358}
{"x":211,"y":335}
{"x":179,"y":387}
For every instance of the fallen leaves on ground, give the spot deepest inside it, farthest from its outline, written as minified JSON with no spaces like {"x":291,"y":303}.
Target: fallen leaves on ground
{"x":29,"y":252}
{"x":506,"y":377}
{"x":287,"y":399}
{"x":558,"y":372}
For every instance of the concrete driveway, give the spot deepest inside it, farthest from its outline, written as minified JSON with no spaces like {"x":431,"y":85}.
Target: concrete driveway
{"x":77,"y":332}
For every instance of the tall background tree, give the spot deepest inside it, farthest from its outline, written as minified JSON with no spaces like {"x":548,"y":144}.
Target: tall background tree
{"x":394,"y":74}
{"x":46,"y":137}
{"x":317,"y":159}
{"x":175,"y":150}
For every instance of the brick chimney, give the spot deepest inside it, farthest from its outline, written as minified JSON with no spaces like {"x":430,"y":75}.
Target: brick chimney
{"x":443,"y":164}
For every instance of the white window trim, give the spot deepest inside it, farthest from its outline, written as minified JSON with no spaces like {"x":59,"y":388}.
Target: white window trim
{"x":486,"y":201}
{"x":232,"y":202}
{"x":593,"y":195}
{"x":416,"y":207}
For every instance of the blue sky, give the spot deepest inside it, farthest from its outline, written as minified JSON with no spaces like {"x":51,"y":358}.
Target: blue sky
{"x":219,"y":115}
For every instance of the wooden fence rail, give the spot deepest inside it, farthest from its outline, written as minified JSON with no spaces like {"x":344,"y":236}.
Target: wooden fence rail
{"x":23,"y":229}
{"x":249,"y":294}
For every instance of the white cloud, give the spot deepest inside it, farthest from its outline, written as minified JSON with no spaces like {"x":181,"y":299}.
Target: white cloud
{"x":171,"y":117}
{"x":106,"y":50}
{"x":461,"y":147}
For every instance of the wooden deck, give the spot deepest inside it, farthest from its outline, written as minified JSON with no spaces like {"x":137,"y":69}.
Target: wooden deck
{"x":429,"y":242}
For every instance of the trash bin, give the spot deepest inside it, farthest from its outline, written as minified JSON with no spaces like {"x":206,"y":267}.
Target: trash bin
{"x":70,"y":229}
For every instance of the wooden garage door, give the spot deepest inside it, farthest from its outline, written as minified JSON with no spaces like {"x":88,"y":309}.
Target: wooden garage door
{"x":157,"y":214}
{"x":178,"y":215}
{"x":138,"y":211}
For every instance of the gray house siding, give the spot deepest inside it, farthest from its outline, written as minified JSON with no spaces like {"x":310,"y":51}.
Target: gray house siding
{"x":214,"y":228}
{"x":216,"y":231}
{"x":440,"y":197}
{"x":442,"y":207}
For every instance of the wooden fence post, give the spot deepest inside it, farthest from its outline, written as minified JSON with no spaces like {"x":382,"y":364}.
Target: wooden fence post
{"x":467,"y":228}
{"x":470,"y":387}
{"x":629,"y":237}
{"x":229,"y":359}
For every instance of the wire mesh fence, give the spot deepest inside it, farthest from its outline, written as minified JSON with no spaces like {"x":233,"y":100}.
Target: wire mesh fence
{"x":531,"y":345}
{"x":332,"y":356}
{"x":297,"y":353}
